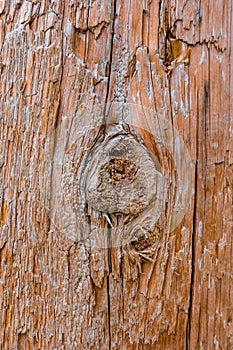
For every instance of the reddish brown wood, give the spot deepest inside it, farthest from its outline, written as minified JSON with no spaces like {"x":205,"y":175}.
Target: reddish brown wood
{"x":57,"y":60}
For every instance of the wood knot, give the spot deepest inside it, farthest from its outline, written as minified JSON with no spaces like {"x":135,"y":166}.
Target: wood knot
{"x":118,"y":169}
{"x":120,"y":176}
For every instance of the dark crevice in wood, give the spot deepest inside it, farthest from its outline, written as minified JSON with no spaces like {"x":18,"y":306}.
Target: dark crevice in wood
{"x":193,"y":241}
{"x":200,"y":19}
{"x":58,"y":115}
{"x":87,"y":34}
{"x":108,"y":284}
{"x":188,"y":329}
{"x":111,"y":52}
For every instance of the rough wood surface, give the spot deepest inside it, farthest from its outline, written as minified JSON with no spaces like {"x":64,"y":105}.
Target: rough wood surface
{"x":60,"y":287}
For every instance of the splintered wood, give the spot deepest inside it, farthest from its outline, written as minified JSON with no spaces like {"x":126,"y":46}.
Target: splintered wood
{"x":112,"y":274}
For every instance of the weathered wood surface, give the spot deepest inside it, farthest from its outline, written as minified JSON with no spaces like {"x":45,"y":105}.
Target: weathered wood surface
{"x":57,"y":59}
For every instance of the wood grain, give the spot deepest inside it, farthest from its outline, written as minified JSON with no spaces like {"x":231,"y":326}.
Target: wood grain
{"x":59,"y":289}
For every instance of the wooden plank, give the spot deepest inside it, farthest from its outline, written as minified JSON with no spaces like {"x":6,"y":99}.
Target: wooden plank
{"x":72,"y":277}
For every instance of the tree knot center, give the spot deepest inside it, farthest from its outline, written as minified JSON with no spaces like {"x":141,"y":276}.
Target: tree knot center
{"x":118,"y":169}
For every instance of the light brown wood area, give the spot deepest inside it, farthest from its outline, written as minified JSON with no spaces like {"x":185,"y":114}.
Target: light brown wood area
{"x":75,"y":278}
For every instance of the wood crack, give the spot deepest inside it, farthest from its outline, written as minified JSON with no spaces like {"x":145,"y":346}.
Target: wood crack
{"x":96,"y":29}
{"x":111,"y":50}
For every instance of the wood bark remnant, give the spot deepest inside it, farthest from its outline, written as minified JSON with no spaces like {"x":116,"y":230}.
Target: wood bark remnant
{"x":60,"y":288}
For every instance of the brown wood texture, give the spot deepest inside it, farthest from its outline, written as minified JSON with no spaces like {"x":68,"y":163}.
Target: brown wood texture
{"x":59,"y":59}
